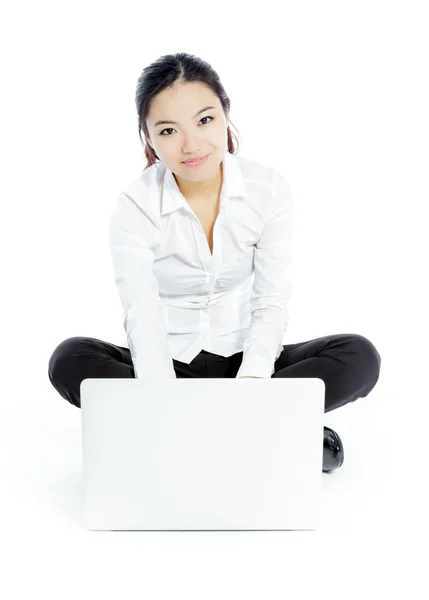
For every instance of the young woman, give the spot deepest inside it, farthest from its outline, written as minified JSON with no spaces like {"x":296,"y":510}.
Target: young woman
{"x":201,"y":246}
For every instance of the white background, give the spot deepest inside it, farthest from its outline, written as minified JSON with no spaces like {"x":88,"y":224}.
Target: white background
{"x":335,"y":95}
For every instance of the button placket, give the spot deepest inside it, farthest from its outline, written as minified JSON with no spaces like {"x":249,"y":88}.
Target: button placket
{"x":208,"y":259}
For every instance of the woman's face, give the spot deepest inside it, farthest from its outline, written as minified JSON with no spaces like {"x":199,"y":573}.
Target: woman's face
{"x":192,"y":135}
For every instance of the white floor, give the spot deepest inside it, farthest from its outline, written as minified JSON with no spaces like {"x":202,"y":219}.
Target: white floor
{"x":372,"y":538}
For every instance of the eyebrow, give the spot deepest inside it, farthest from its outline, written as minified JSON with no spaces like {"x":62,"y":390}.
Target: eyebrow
{"x":196,"y":115}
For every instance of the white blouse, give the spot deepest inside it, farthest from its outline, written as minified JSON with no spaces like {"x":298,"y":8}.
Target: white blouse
{"x":177,"y":297}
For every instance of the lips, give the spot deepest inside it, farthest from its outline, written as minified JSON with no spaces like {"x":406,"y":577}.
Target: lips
{"x":195,"y":162}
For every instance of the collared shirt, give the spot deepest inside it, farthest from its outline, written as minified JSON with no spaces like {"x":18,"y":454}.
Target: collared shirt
{"x":177,"y":297}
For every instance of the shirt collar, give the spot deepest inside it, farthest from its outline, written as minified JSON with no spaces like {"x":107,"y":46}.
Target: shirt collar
{"x":233,"y":185}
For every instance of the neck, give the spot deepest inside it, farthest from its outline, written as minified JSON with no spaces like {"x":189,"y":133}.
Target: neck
{"x":201,"y":191}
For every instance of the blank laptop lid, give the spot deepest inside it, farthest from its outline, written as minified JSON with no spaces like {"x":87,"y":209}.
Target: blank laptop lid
{"x":202,"y":453}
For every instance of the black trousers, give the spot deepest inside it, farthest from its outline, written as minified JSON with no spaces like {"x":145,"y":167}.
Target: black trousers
{"x":349,"y":365}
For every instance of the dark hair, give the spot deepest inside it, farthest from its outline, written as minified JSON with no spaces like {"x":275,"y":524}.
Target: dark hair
{"x":164,"y":73}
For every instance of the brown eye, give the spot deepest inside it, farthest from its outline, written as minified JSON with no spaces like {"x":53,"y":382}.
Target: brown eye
{"x":171,"y":128}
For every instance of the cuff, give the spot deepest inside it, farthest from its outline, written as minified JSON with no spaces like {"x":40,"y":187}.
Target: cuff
{"x":256,"y":366}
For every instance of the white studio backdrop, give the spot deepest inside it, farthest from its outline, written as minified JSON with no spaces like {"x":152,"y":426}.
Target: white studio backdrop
{"x":332,"y":94}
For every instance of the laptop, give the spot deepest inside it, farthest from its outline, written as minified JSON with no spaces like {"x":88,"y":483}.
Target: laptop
{"x":202,"y":454}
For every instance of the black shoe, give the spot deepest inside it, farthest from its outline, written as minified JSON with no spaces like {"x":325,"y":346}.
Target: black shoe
{"x":333,"y":451}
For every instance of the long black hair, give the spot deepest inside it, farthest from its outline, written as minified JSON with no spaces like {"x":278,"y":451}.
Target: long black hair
{"x":164,"y":73}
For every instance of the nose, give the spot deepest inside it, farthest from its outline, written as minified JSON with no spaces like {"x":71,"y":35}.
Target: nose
{"x":192,"y":144}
